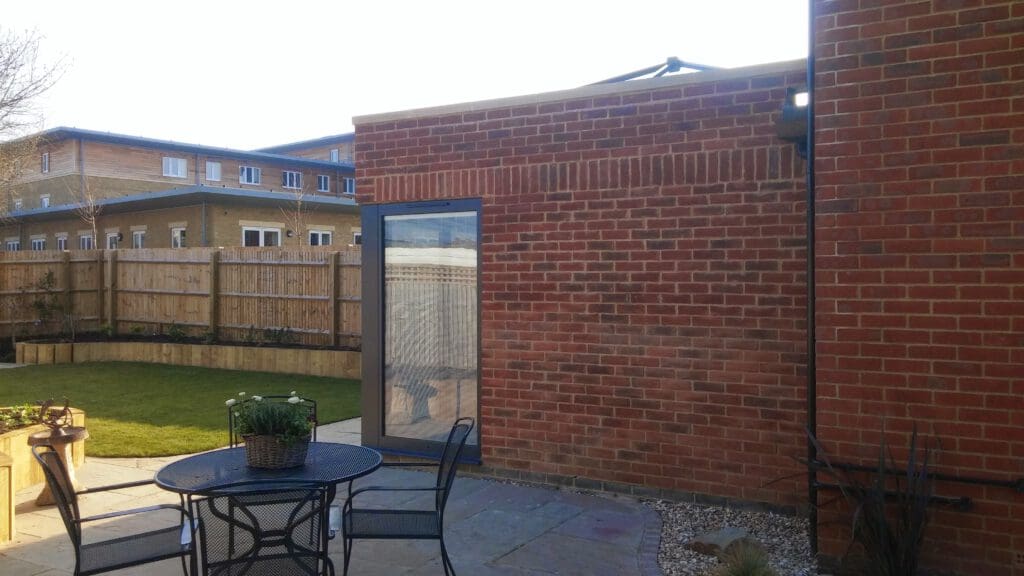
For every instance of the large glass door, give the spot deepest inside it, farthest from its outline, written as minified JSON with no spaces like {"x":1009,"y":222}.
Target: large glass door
{"x":427,"y":292}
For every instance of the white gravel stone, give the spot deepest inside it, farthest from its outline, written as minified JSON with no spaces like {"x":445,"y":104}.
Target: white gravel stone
{"x":785,"y":538}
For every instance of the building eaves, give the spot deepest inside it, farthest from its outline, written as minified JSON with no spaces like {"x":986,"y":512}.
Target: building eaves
{"x":64,"y":132}
{"x":292,"y":146}
{"x":590,"y":91}
{"x":186,"y":195}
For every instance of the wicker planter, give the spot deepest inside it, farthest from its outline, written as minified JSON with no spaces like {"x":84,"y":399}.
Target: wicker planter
{"x":264,"y":451}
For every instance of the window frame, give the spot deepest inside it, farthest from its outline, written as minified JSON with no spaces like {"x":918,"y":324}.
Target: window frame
{"x":348,"y":185}
{"x":44,"y":201}
{"x":179,"y":237}
{"x":320,"y":233}
{"x":12,"y":245}
{"x":170,"y":162}
{"x":44,"y":163}
{"x":62,"y":241}
{"x":112,"y":240}
{"x":209,"y":164}
{"x":86,"y":242}
{"x":263,"y":230}
{"x":138,"y":239}
{"x":18,"y":203}
{"x":323,"y":183}
{"x":291,"y":179}
{"x":38,"y":244}
{"x":335,"y":155}
{"x":250,"y":171}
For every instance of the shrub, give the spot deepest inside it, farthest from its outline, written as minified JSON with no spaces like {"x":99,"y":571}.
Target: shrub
{"x":745,"y":559}
{"x":288,"y":421}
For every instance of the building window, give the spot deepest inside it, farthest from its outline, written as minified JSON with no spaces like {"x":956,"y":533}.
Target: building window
{"x":12,"y":245}
{"x":357,"y":238}
{"x":175,"y":167}
{"x":39,"y":243}
{"x":252,"y":236}
{"x":212,"y":171}
{"x":44,"y":201}
{"x":86,"y":242}
{"x":319,"y":238}
{"x":291,"y":179}
{"x":62,"y":242}
{"x":323,"y":183}
{"x":350,"y":185}
{"x":139,"y":239}
{"x":249,"y":175}
{"x":17,"y":203}
{"x":44,"y":163}
{"x":112,"y":240}
{"x":178,"y":238}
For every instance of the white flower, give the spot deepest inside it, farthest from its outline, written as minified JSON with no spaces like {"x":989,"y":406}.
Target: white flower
{"x":230,"y":402}
{"x":241,"y":393}
{"x":294,"y":400}
{"x":293,"y":393}
{"x":257,"y":398}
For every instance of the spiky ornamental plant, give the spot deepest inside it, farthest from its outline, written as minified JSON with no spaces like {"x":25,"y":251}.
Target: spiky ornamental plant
{"x":890,"y":508}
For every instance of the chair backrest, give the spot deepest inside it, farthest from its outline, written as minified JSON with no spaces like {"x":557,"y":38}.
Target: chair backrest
{"x":234,"y":439}
{"x":449,"y":463}
{"x":63,"y":493}
{"x":268,"y":527}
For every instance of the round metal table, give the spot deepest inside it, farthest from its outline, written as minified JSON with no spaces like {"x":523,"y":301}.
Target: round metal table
{"x":327,"y":464}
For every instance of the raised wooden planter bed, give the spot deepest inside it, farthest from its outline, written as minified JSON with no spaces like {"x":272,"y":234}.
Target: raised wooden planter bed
{"x":18,"y":469}
{"x":335,"y":363}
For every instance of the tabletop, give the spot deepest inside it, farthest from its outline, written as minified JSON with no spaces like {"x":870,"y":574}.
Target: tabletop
{"x":326,"y":463}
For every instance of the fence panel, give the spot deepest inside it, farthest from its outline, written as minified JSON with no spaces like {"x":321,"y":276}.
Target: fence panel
{"x":262,"y":295}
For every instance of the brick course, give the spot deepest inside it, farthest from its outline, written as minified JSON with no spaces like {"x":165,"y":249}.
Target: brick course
{"x":643,"y":276}
{"x":921,"y":247}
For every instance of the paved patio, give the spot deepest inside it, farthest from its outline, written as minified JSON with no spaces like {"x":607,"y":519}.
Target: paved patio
{"x":492,"y":528}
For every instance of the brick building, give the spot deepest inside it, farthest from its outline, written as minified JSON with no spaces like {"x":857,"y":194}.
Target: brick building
{"x":642,"y":271}
{"x":158,"y":194}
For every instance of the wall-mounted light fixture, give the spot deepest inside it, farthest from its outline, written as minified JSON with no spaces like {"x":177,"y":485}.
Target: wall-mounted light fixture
{"x":289,"y":233}
{"x":792,"y":124}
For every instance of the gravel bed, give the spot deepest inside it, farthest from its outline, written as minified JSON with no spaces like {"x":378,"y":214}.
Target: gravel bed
{"x":785,"y":538}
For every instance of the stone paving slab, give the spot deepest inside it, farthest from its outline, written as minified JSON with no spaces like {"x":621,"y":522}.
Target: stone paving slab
{"x":492,"y":528}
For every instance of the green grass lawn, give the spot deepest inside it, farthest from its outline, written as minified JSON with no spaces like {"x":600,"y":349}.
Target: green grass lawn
{"x":136,"y":409}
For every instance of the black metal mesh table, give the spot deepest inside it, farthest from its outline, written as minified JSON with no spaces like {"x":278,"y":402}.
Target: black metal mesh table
{"x":327,"y":463}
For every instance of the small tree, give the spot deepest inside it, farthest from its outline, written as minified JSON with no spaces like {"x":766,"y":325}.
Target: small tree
{"x":23,"y":79}
{"x":295,"y":215}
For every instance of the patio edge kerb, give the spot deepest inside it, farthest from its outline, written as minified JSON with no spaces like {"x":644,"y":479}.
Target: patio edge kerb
{"x":587,"y":91}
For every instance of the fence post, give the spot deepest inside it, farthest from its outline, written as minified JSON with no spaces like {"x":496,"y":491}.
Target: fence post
{"x":68,"y":302}
{"x":100,"y":263}
{"x":214,"y":306}
{"x":111,"y":288}
{"x":333,"y":290}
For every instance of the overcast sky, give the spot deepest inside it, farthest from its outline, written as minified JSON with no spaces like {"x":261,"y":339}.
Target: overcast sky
{"x":255,"y":73}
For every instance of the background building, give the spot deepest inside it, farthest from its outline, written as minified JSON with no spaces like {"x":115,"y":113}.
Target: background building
{"x":100,"y":190}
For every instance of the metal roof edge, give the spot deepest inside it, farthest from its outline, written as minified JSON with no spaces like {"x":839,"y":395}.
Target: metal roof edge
{"x":588,"y":91}
{"x":345,"y":137}
{"x":62,"y":132}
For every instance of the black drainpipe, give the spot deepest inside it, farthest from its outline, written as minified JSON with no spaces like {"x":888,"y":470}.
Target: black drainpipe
{"x":812,"y":353}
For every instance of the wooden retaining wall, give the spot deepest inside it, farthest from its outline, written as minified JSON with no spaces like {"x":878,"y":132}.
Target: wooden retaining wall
{"x":333,"y":363}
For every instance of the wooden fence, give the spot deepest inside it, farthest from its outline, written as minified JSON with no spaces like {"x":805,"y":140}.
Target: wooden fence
{"x":260,"y":295}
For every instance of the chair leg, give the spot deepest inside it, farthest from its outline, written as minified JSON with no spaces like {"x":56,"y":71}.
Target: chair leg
{"x":449,"y":570}
{"x":348,"y":555}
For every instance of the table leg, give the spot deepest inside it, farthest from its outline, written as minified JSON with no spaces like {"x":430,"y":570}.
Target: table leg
{"x":45,"y":497}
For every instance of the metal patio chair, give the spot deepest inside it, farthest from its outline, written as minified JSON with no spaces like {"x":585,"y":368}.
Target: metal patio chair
{"x":175,"y":541}
{"x":235,"y":440}
{"x":404,"y":524}
{"x":264,"y":527}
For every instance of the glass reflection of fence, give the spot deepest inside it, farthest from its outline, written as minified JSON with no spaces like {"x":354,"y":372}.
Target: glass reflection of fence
{"x":430,"y":346}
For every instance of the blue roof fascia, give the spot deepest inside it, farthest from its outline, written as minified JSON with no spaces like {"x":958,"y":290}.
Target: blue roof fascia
{"x":184,"y":191}
{"x":111,"y":138}
{"x":346,"y":137}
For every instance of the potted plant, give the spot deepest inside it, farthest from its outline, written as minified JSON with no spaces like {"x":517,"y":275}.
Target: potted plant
{"x":276,"y":434}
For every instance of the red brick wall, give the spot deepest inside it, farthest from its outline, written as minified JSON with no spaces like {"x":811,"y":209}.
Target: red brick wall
{"x":643,"y":277}
{"x":920,"y":183}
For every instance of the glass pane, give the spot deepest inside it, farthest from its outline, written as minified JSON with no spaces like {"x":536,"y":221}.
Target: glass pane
{"x":271,"y":238}
{"x":251,"y":238}
{"x":430,"y":323}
